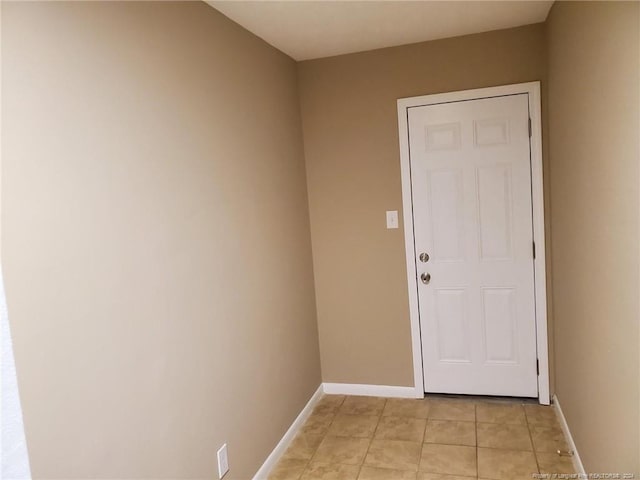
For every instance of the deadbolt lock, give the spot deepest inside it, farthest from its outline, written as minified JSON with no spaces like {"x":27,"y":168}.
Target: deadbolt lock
{"x":424,"y":257}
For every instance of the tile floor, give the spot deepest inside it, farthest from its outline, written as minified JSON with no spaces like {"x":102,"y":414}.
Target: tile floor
{"x":438,"y":438}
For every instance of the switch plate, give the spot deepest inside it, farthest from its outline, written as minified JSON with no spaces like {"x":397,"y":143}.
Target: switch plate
{"x":392,"y":219}
{"x":223,"y":461}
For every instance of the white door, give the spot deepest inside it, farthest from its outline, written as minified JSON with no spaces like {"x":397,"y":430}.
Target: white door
{"x":471,"y":192}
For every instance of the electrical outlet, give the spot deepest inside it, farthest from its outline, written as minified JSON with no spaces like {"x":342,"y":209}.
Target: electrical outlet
{"x":392,"y":219}
{"x":223,"y":461}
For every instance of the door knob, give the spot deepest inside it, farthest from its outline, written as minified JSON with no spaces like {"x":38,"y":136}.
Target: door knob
{"x":425,"y":278}
{"x":424,"y":257}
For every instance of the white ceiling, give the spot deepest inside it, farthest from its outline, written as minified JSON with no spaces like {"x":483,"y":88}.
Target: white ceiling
{"x":314,"y":29}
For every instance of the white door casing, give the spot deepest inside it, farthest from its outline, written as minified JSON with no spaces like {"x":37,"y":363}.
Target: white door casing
{"x":472,"y":191}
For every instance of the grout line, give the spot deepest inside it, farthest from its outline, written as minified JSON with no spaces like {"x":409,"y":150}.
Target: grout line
{"x":535,"y":454}
{"x":324,"y":435}
{"x":424,"y":434}
{"x":475,"y":412}
{"x":371,"y":439}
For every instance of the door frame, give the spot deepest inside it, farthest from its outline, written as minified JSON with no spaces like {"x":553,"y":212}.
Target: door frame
{"x":537,"y":193}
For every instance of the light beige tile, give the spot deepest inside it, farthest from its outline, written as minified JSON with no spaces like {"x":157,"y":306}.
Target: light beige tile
{"x":500,"y":413}
{"x":363,"y":405}
{"x":541,"y":415}
{"x":346,"y":450}
{"x":440,"y":476}
{"x":288,"y":469}
{"x":318,"y":423}
{"x":449,"y":459}
{"x":499,"y":435}
{"x":401,"y":428}
{"x":547,"y":439}
{"x":450,"y":432}
{"x":405,"y":407}
{"x":501,"y":464}
{"x":554,"y":463}
{"x":373,"y":473}
{"x":353,"y":425}
{"x":329,"y":403}
{"x":393,"y":454}
{"x":328,"y":471}
{"x":460,"y":410}
{"x":303,"y":446}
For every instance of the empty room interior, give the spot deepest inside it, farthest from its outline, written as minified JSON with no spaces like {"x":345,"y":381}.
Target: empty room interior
{"x":298,"y":240}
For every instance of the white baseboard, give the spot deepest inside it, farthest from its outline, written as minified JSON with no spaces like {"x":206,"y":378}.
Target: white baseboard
{"x":577,"y":462}
{"x":371,"y":390}
{"x":281,"y":447}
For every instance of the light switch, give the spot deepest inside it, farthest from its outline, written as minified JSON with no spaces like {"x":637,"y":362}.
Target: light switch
{"x":392,"y":219}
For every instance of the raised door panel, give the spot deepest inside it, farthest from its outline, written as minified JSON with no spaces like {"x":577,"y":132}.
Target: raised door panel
{"x":499,"y":325}
{"x":494,"y":202}
{"x":452,"y":326}
{"x":445,"y":199}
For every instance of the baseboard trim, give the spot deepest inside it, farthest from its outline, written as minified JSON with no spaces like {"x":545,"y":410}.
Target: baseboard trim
{"x":283,"y":444}
{"x":371,"y":390}
{"x":577,"y":461}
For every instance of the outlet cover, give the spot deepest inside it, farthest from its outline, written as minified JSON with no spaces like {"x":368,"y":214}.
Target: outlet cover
{"x":392,"y":219}
{"x":223,"y":461}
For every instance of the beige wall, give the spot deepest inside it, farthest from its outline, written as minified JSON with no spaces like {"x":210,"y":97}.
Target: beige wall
{"x":155,"y":239}
{"x":594,"y":77}
{"x":353,"y":172}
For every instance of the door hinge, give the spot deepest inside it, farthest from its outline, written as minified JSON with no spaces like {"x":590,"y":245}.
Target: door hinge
{"x":537,"y":367}
{"x":534,"y":250}
{"x":529,"y":127}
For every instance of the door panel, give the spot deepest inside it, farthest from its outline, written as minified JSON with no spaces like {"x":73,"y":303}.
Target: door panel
{"x":453,"y":343}
{"x":494,"y":216}
{"x":471,"y":192}
{"x":500,"y":326}
{"x":445,"y":201}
